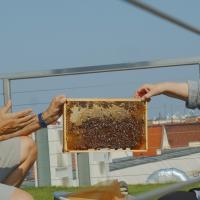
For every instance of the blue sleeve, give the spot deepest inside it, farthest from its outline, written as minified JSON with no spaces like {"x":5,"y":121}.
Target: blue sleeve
{"x":194,"y":95}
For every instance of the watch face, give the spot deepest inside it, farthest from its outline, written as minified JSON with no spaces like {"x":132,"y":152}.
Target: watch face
{"x":105,"y":124}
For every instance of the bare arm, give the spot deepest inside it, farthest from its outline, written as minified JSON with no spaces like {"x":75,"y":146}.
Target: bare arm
{"x":175,"y":90}
{"x":50,"y":115}
{"x":13,"y":121}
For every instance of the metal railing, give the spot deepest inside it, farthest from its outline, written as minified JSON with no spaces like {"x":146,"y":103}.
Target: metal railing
{"x":7,"y":78}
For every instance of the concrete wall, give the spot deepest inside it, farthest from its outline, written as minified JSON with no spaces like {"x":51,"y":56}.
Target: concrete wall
{"x":99,"y":167}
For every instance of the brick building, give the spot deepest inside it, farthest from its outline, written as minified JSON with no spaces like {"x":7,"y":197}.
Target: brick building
{"x":171,"y":136}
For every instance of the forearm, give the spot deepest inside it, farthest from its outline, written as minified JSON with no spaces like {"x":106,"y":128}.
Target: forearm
{"x":176,"y":90}
{"x":50,"y":115}
{"x":189,"y":92}
{"x":35,"y":125}
{"x":27,"y":130}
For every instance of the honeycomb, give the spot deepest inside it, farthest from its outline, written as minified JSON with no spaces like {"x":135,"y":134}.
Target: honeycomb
{"x":97,"y":124}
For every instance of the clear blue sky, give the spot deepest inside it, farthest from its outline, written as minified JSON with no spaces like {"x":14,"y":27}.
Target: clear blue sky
{"x":41,"y":35}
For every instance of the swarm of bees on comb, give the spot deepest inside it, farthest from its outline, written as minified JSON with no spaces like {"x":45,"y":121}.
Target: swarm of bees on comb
{"x":105,"y":124}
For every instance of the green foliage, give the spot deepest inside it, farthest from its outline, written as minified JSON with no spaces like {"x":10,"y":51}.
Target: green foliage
{"x":46,"y":193}
{"x":138,"y":189}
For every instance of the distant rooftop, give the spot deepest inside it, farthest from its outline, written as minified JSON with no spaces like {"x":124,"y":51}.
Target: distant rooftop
{"x":122,"y":163}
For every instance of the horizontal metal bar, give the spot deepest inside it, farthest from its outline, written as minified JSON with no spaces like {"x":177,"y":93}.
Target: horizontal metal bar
{"x":162,"y":191}
{"x":164,"y":16}
{"x":102,"y":68}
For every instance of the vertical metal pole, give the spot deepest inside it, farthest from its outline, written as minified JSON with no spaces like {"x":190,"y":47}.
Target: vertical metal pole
{"x":83,"y":169}
{"x":199,"y":71}
{"x":43,"y":160}
{"x":6,"y":90}
{"x":35,"y":167}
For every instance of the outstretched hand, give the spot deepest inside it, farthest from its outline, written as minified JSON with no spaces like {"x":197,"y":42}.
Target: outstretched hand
{"x":145,"y":92}
{"x":14,"y":121}
{"x":55,"y":109}
{"x":29,"y":125}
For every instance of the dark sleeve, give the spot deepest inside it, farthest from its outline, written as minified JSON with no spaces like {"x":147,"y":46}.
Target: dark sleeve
{"x":194,"y":95}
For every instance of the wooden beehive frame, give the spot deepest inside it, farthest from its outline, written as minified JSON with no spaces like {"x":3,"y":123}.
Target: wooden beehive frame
{"x":66,"y":121}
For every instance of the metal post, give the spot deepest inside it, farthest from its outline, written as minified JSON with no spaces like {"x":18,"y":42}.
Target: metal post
{"x":43,"y":160}
{"x":6,"y":90}
{"x":35,"y":166}
{"x":83,"y":169}
{"x":164,"y":16}
{"x":199,"y":71}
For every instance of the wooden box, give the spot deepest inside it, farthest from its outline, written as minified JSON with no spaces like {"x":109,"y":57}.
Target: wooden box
{"x":105,"y":124}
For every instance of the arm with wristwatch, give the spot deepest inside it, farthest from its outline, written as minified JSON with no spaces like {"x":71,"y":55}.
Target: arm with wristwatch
{"x":25,"y":122}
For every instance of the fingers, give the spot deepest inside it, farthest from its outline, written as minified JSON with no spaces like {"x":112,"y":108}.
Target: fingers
{"x":27,"y":130}
{"x":22,"y":114}
{"x":11,"y":125}
{"x":143,"y":92}
{"x":148,"y":95}
{"x":26,"y":123}
{"x":26,"y":118}
{"x":149,"y":90}
{"x":56,"y":104}
{"x":24,"y":131}
{"x":14,"y":128}
{"x":59,"y":100}
{"x":54,"y":110}
{"x":62,"y":99}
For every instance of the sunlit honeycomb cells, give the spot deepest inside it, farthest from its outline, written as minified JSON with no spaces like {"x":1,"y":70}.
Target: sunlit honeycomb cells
{"x":105,"y":124}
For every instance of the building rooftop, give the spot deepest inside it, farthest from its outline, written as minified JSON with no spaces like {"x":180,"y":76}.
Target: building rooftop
{"x":122,"y":163}
{"x":182,"y":135}
{"x":155,"y":137}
